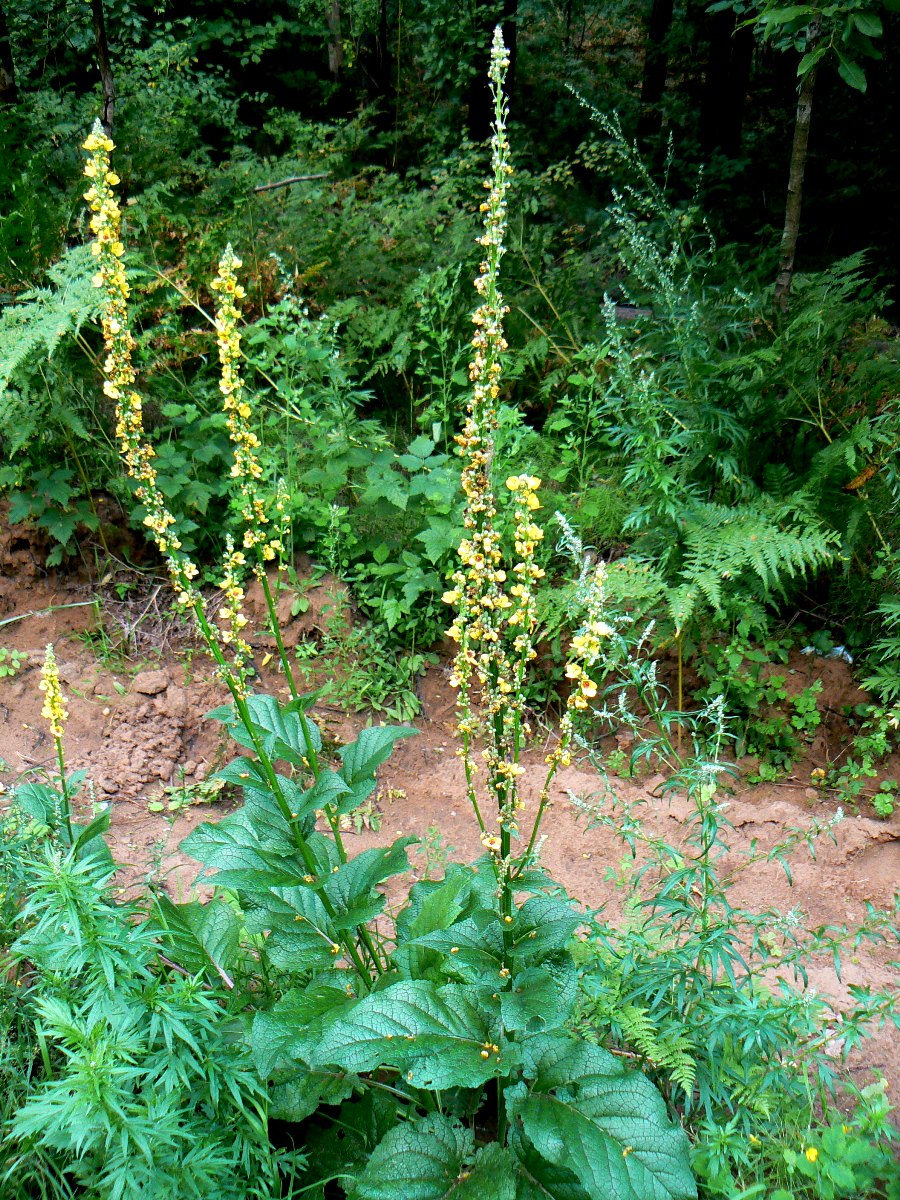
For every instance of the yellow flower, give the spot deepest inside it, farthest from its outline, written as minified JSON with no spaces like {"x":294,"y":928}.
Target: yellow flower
{"x":53,"y":709}
{"x":811,"y":1154}
{"x":118,"y":370}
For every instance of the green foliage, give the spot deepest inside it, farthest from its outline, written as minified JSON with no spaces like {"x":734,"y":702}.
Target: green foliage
{"x":41,"y":422}
{"x":771,"y":723}
{"x":128,"y":1083}
{"x":876,"y":738}
{"x":11,"y":661}
{"x":365,"y":672}
{"x":883,"y":655}
{"x":685,"y":986}
{"x":846,"y":31}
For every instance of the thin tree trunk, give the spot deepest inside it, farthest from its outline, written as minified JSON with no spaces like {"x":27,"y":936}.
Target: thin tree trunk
{"x":656,"y":66}
{"x":9,"y":93}
{"x":103,"y":64}
{"x":795,"y":178}
{"x":335,"y":45}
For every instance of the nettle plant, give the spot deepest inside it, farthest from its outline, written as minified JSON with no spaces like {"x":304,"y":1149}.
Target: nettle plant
{"x":428,"y":1054}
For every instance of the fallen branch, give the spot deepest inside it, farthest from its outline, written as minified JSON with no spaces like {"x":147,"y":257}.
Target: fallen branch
{"x":268,"y":187}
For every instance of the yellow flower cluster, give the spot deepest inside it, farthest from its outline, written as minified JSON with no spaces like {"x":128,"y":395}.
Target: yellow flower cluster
{"x":587,"y":646}
{"x":53,"y":710}
{"x":526,"y":570}
{"x":491,"y":621}
{"x":137,"y":454}
{"x":231,"y":614}
{"x":119,"y":374}
{"x":246,"y":469}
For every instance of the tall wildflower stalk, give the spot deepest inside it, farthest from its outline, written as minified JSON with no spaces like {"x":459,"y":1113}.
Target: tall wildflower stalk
{"x":496,"y":618}
{"x":55,"y":714}
{"x":226,"y":642}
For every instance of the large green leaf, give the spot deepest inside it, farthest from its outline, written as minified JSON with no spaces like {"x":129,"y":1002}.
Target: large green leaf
{"x":473,"y":948}
{"x":284,"y":1035}
{"x":543,"y":925}
{"x":434,"y":1159}
{"x":232,"y":848}
{"x":279,"y":728}
{"x":540,"y":998}
{"x":608,"y":1126}
{"x":249,"y":774}
{"x":537,"y":1179}
{"x":306,"y":1088}
{"x":433,"y":905}
{"x":362,"y":758}
{"x":435,"y":1035}
{"x":202,"y":937}
{"x":351,"y":888}
{"x":303,"y":934}
{"x":260,"y":812}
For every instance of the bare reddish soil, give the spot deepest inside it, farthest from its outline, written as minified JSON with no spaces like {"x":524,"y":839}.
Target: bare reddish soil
{"x":137,"y":726}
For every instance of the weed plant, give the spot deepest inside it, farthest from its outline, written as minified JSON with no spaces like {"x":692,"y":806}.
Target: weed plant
{"x":287,"y":1038}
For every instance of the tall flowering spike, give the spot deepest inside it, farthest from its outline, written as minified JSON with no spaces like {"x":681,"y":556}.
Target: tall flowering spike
{"x":246,"y":468}
{"x":232,"y":620}
{"x":586,"y":650}
{"x":54,"y":709}
{"x":484,"y":609}
{"x":118,"y":370}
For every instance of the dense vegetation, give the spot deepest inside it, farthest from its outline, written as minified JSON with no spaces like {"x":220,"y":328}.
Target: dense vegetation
{"x":703,"y":375}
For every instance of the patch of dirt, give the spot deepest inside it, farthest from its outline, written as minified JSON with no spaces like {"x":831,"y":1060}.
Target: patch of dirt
{"x":138,"y":727}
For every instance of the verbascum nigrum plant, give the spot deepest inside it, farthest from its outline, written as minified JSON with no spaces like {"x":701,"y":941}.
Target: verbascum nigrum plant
{"x":496,"y":619}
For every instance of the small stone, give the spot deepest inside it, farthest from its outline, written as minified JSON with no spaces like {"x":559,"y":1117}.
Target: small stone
{"x":190,"y":766}
{"x":151,"y":683}
{"x":106,"y":710}
{"x":810,"y":793}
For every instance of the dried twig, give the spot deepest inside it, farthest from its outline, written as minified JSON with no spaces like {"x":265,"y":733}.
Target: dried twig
{"x":268,"y":187}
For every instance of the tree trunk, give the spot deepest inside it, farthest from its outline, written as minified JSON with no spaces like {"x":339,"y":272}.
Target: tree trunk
{"x":335,"y":45}
{"x":795,"y":178}
{"x":8,"y":91}
{"x":103,"y":64}
{"x":725,"y":87}
{"x":656,"y":66}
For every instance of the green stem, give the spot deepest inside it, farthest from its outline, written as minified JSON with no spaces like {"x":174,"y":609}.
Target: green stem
{"x":309,"y":860}
{"x":64,"y":788}
{"x":312,"y":757}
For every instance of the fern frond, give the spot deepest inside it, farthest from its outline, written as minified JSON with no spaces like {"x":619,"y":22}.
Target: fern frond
{"x":760,"y":546}
{"x":672,"y":1052}
{"x":41,"y":319}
